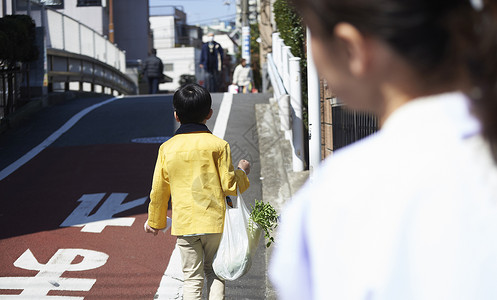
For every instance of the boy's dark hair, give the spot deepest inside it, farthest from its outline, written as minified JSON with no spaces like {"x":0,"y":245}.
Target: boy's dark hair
{"x":192,"y":103}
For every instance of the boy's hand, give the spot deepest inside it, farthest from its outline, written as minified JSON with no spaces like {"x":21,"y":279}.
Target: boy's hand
{"x":151,"y":230}
{"x":244,"y":165}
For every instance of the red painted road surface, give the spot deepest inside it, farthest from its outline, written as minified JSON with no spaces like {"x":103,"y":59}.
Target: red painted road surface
{"x":38,"y":257}
{"x":94,"y":176}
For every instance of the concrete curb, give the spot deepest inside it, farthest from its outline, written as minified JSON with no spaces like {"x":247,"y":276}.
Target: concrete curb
{"x":279,"y":182}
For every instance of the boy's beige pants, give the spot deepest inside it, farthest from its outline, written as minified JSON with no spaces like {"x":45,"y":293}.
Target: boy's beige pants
{"x":197,"y":253}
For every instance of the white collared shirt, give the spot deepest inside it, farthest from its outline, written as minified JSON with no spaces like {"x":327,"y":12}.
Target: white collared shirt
{"x":409,"y":213}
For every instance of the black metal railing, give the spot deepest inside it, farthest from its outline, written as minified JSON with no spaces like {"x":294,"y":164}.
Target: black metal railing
{"x":350,"y":126}
{"x":10,"y":90}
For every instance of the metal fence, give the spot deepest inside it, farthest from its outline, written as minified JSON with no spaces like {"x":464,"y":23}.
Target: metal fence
{"x":350,"y":126}
{"x":10,"y":92}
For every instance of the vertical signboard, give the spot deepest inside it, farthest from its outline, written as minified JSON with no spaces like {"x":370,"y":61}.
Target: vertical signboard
{"x":246,"y":43}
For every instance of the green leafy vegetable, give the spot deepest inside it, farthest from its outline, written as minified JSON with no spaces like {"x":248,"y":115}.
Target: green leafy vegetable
{"x":264,"y":215}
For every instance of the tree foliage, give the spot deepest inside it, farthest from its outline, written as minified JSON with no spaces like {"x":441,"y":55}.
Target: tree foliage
{"x":17,"y":39}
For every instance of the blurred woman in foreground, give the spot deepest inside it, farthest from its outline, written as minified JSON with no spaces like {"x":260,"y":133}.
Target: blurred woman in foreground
{"x":411,"y":212}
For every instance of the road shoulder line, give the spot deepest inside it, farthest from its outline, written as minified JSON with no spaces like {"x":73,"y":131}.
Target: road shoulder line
{"x":223,"y":116}
{"x":49,"y":140}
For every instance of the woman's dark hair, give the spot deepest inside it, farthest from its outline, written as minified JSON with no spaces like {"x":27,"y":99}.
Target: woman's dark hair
{"x":192,"y":103}
{"x":441,"y":39}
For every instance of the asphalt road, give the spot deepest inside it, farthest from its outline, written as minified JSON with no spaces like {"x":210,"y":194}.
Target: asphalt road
{"x":74,"y":185}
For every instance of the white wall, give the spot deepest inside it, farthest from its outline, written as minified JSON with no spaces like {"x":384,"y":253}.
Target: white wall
{"x":8,"y":8}
{"x":94,"y":17}
{"x":185,"y":61}
{"x":225,"y":42}
{"x":163,"y":29}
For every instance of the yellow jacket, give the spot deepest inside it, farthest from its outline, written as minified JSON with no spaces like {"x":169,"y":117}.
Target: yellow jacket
{"x":194,"y":167}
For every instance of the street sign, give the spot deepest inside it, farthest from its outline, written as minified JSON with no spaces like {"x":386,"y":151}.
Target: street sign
{"x":246,"y":43}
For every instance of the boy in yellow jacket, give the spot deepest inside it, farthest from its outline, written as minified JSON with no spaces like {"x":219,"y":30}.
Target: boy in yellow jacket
{"x":194,"y":168}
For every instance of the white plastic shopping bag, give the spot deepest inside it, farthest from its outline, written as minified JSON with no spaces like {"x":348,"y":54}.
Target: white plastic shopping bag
{"x":233,"y":88}
{"x":238,"y":244}
{"x":201,"y":77}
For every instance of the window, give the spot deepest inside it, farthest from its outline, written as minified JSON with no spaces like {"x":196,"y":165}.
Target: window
{"x":168,"y":67}
{"x":89,"y":3}
{"x":55,"y":4}
{"x":52,"y":2}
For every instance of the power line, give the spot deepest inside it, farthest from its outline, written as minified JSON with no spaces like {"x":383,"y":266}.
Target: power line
{"x":189,"y":1}
{"x":197,"y":22}
{"x":214,"y":18}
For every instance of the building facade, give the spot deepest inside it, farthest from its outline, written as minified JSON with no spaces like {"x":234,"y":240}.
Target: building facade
{"x":177,"y":43}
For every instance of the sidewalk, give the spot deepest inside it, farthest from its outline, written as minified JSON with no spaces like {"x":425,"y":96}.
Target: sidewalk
{"x":279,"y":182}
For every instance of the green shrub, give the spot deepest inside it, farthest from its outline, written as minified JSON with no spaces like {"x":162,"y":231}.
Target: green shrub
{"x":289,"y":25}
{"x":293,"y":32}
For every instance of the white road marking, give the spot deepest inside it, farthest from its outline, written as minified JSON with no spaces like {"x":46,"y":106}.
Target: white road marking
{"x":49,"y":140}
{"x":49,"y":278}
{"x":223,"y":116}
{"x":80,"y":217}
{"x":171,"y":285}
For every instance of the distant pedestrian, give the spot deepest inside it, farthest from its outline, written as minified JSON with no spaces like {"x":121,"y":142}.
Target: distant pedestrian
{"x":243,"y":77}
{"x":194,"y":168}
{"x":152,"y":69}
{"x":211,"y":61}
{"x":410,"y":212}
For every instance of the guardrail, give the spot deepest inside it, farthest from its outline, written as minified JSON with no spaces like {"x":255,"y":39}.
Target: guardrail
{"x":65,"y":33}
{"x":80,"y":58}
{"x":78,"y":54}
{"x":284,"y":73}
{"x":79,"y":72}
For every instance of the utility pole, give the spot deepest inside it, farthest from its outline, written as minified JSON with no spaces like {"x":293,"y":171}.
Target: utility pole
{"x":245,"y":31}
{"x":111,"y":22}
{"x":265,"y":46}
{"x":245,"y":13}
{"x":314,"y":109}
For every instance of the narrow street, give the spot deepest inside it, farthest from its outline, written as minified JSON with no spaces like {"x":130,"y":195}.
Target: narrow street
{"x":74,"y":185}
